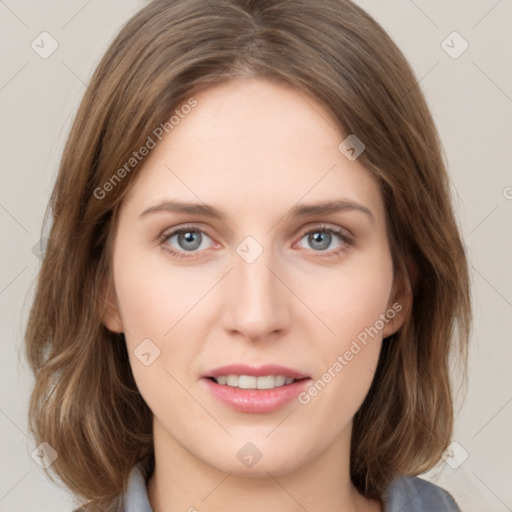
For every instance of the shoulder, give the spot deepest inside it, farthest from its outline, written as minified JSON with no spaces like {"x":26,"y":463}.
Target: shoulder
{"x":135,"y":496}
{"x":404,"y":494}
{"x":414,"y":494}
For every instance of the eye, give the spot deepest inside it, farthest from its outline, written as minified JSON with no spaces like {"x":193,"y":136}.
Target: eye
{"x":191,"y":239}
{"x":321,"y":238}
{"x":187,"y":240}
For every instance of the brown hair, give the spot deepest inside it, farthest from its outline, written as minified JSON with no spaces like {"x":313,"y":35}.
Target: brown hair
{"x":85,"y":403}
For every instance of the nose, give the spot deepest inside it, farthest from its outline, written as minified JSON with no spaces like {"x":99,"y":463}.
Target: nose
{"x":258,"y":298}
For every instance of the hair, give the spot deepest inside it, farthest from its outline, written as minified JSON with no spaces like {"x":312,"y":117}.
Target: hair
{"x":85,"y":402}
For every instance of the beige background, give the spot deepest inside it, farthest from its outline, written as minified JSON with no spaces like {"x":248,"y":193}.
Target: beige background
{"x":471,"y":99}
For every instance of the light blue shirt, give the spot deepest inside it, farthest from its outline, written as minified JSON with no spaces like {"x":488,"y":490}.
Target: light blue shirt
{"x":405,"y":494}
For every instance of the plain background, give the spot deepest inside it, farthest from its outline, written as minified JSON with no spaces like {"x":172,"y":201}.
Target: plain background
{"x":471,"y":99}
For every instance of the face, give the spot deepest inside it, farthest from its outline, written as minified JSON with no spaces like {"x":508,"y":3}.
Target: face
{"x":264,"y":281}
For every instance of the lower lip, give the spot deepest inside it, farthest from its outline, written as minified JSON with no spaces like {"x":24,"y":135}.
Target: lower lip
{"x":256,"y":400}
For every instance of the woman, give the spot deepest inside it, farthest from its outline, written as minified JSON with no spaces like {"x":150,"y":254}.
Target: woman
{"x":254,"y":276}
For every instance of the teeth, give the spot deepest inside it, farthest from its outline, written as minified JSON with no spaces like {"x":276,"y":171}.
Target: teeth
{"x":232,"y":380}
{"x":252,"y":382}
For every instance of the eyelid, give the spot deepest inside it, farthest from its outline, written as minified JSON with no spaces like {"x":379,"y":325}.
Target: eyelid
{"x":343,"y":232}
{"x":167,"y":233}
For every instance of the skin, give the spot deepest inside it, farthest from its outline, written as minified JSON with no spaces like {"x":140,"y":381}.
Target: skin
{"x":252,"y":149}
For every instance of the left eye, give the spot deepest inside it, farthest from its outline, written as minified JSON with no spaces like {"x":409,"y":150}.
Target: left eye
{"x":320,"y":238}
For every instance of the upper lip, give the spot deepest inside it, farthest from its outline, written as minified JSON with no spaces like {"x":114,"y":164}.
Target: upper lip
{"x":260,"y":371}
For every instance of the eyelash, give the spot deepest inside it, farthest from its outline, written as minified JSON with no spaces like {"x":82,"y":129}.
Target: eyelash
{"x":165,"y":237}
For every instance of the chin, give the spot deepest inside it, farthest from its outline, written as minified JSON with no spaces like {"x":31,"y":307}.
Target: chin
{"x":256,"y":459}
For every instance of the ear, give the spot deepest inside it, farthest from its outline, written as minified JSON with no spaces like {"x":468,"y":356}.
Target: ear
{"x":400,"y":300}
{"x":109,"y":313}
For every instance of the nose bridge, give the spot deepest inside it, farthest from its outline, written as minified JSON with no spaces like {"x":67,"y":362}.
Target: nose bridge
{"x":257,"y":305}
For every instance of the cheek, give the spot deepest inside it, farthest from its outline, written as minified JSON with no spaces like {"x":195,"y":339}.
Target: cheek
{"x":153,"y":295}
{"x":161,"y":303}
{"x":350,"y":301}
{"x":153,"y":307}
{"x":353,"y":306}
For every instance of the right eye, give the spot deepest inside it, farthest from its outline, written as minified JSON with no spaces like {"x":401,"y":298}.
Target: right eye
{"x":187,"y":240}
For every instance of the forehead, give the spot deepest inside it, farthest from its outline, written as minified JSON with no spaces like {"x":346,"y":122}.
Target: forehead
{"x":253,"y":144}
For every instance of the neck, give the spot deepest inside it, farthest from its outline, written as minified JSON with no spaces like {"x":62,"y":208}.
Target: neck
{"x":183,"y":482}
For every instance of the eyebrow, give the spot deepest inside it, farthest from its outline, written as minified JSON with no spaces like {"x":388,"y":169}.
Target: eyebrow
{"x":301,"y":210}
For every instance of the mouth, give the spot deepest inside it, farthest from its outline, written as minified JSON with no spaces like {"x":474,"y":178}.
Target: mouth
{"x":261,"y":389}
{"x":253,"y":382}
{"x":243,"y":376}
